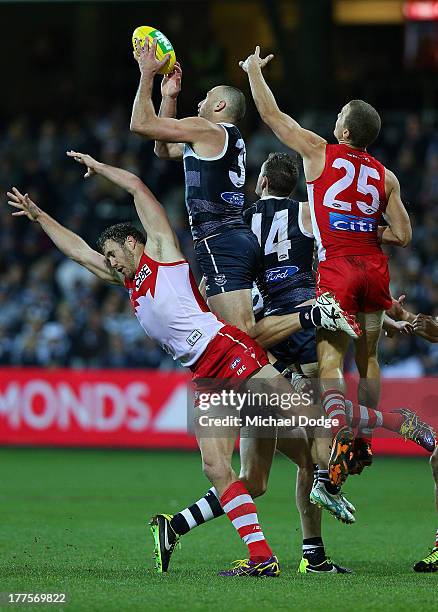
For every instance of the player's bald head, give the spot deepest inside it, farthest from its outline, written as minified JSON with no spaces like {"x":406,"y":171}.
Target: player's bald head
{"x":235,"y":101}
{"x":362,"y":122}
{"x":224,"y":102}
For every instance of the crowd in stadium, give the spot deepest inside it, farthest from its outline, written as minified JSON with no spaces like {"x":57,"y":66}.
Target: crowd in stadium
{"x":54,"y":313}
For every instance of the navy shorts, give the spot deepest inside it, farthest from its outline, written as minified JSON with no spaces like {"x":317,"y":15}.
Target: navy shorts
{"x":229,"y":261}
{"x":299,"y":348}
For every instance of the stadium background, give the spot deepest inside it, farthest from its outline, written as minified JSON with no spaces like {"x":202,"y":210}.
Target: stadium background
{"x":68,"y":81}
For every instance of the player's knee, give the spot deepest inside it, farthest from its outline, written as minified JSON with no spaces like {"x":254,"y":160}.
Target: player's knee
{"x":328,"y":365}
{"x":256,"y":484}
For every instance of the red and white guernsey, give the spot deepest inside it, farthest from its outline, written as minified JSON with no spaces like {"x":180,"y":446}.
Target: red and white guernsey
{"x":171,"y":310}
{"x":347,"y":202}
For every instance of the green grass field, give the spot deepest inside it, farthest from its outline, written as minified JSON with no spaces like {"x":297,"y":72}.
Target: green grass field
{"x":74,"y":521}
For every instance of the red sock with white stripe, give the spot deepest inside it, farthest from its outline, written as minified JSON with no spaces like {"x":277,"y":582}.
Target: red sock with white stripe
{"x":242,"y":512}
{"x":368,"y":419}
{"x":436,"y":539}
{"x":333,"y":403}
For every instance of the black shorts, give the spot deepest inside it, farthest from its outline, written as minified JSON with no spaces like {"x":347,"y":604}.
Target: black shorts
{"x":299,"y":348}
{"x":229,"y":261}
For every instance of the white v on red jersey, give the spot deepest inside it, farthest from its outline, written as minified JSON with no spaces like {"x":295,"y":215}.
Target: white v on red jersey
{"x":347,"y":203}
{"x":171,"y":310}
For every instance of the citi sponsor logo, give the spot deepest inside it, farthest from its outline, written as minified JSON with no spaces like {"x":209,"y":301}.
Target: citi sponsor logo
{"x":351,"y":223}
{"x":142,"y":276}
{"x":274,"y":275}
{"x":235,"y":363}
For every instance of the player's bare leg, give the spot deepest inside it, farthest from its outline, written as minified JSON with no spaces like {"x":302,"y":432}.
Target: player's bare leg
{"x":368,"y":393}
{"x":314,"y":559}
{"x":331,"y":350}
{"x":430,"y":562}
{"x":234,"y":307}
{"x":434,"y":465}
{"x":256,"y":460}
{"x":366,"y":348}
{"x":238,"y":505}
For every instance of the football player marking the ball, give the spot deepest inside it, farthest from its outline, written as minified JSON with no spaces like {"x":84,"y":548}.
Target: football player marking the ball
{"x":213,"y":152}
{"x":170,"y":309}
{"x":349,"y":191}
{"x":276,"y":209}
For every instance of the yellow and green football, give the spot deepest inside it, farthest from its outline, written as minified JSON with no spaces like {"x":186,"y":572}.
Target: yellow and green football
{"x":164,"y":46}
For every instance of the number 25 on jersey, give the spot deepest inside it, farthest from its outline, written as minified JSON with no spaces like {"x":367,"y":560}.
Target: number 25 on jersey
{"x":362,"y":185}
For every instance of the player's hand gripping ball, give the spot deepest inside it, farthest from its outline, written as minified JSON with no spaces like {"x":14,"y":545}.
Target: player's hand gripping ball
{"x":146,"y":35}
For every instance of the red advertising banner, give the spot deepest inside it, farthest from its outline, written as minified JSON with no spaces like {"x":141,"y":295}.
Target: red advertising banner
{"x":143,"y":409}
{"x":118,"y":408}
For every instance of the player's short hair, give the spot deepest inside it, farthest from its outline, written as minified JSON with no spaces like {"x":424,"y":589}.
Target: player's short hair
{"x":236,"y":102}
{"x":282,"y":171}
{"x":119,"y":233}
{"x":363,"y":122}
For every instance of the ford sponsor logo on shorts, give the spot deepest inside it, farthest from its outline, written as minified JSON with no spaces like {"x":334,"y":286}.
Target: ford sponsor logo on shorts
{"x":233,"y":197}
{"x":235,"y":363}
{"x":351,"y":223}
{"x":274,"y":275}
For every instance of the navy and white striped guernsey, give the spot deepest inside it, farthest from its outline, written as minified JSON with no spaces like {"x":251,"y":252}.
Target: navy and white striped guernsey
{"x":287,"y":278}
{"x":215,"y":186}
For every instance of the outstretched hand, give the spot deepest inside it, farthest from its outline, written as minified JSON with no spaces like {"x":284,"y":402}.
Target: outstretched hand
{"x":86,"y":160}
{"x":255,"y":59}
{"x":25,"y":206}
{"x":402,"y":327}
{"x":146,"y":56}
{"x":425,"y":325}
{"x":397,"y":312}
{"x":171,"y":83}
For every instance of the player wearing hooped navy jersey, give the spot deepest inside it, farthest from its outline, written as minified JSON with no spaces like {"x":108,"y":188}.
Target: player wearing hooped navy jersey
{"x":349,"y":192}
{"x":286,"y":279}
{"x":213,"y":153}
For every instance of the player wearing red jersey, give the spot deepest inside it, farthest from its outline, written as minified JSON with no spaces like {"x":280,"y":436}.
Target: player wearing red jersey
{"x":170,"y":309}
{"x":349,"y":192}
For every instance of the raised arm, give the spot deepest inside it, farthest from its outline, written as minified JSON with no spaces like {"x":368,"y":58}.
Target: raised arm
{"x":144,"y":120}
{"x":399,"y":232}
{"x":284,"y":127}
{"x":151,"y":213}
{"x":69,"y":243}
{"x":170,"y":88}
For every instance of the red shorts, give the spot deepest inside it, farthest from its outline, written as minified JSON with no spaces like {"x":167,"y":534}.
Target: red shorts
{"x":231,"y":354}
{"x":360,"y":283}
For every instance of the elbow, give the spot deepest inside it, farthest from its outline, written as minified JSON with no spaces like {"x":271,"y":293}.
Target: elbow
{"x":406,"y":238}
{"x":136,"y":185}
{"x":136,"y":128}
{"x":268,"y":116}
